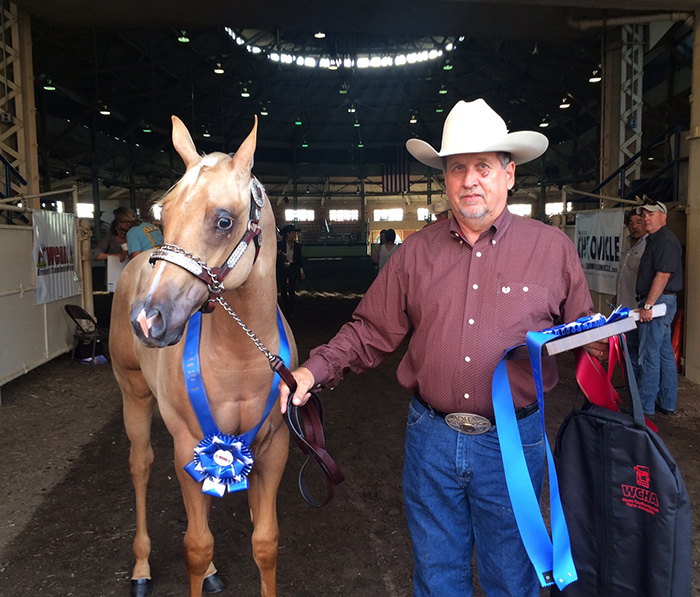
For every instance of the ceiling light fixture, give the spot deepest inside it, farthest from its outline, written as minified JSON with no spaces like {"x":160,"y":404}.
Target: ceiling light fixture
{"x":545,"y":123}
{"x":218,"y":69}
{"x":356,"y":124}
{"x":413,"y":118}
{"x":333,"y":65}
{"x":305,"y":143}
{"x":439,"y":109}
{"x":244,"y":92}
{"x":297,"y":121}
{"x":351,"y":109}
{"x":49,"y":86}
{"x":206,"y":133}
{"x":183,"y":39}
{"x":319,"y":35}
{"x":443,"y":90}
{"x":595,"y":77}
{"x":263,"y":111}
{"x":146,"y":128}
{"x":564,"y":104}
{"x":448,"y":65}
{"x":104,"y":110}
{"x":343,"y":89}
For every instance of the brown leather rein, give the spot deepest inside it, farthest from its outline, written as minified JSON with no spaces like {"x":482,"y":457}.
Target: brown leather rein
{"x":305,"y":422}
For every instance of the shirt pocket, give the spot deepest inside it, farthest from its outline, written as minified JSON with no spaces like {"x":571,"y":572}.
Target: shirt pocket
{"x":521,"y":307}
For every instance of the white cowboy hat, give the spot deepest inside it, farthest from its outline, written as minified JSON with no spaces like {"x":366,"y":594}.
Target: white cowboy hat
{"x":473,"y":127}
{"x":439,"y":207}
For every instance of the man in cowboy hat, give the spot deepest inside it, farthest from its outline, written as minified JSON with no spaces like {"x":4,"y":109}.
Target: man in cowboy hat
{"x":659,"y":278}
{"x":290,"y":268}
{"x":465,"y":289}
{"x":440,"y":209}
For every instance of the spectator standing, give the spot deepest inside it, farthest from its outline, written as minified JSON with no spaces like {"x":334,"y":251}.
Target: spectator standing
{"x":660,"y":277}
{"x":290,"y":268}
{"x":143,"y":237}
{"x":387,"y":249}
{"x":627,"y":278}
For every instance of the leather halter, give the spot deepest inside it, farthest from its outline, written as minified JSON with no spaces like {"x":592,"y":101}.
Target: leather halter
{"x":214,"y":277}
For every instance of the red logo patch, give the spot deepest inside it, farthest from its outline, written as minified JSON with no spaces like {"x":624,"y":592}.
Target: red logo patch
{"x":640,"y":496}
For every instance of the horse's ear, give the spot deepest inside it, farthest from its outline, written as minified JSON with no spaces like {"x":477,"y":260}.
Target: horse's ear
{"x":243,"y":158}
{"x":182,"y":141}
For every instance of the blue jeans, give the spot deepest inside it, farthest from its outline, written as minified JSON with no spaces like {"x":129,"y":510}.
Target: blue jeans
{"x":659,"y":377}
{"x":456,"y":497}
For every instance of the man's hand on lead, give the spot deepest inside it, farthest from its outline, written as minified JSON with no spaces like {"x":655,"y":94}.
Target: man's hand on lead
{"x":305,"y":381}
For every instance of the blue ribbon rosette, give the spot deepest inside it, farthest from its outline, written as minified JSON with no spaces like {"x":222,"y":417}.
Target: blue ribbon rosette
{"x":587,"y":323}
{"x":222,"y":463}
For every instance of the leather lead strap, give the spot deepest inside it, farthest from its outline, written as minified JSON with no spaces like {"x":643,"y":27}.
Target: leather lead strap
{"x":306,"y":424}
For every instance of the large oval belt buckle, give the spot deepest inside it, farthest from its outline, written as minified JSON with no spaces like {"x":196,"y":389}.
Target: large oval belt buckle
{"x":468,"y":423}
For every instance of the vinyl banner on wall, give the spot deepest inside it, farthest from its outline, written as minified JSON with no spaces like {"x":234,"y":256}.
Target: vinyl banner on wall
{"x":599,"y":242}
{"x":55,"y":254}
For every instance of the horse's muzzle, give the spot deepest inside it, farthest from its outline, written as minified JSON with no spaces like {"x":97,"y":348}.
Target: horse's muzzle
{"x":153,"y":325}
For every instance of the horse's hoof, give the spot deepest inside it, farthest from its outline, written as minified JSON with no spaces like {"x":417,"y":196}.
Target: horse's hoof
{"x":213,"y":584}
{"x":141,"y":587}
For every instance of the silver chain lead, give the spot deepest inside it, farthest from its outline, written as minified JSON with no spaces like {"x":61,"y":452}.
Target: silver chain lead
{"x":261,"y":347}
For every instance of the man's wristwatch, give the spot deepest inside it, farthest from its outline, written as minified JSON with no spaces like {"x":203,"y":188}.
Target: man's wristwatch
{"x":647,"y":307}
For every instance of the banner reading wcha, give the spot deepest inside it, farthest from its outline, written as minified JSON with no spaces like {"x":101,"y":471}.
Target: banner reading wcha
{"x":55,"y":254}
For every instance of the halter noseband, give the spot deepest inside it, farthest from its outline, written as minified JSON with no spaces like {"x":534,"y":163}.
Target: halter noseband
{"x":214,"y":277}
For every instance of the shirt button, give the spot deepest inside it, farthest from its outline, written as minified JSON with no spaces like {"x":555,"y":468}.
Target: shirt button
{"x":471,"y":322}
{"x":525,"y":289}
{"x":493,"y":242}
{"x":466,"y":396}
{"x":467,"y":359}
{"x":478,"y":253}
{"x":475,"y":286}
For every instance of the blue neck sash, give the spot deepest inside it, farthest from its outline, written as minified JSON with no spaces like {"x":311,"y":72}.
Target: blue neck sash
{"x":221,"y":461}
{"x":551,"y":559}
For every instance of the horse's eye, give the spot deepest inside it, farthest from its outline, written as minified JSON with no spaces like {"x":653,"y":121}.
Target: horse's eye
{"x":224,"y":223}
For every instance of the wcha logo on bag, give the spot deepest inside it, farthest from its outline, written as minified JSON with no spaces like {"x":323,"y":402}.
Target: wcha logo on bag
{"x":640,"y":495}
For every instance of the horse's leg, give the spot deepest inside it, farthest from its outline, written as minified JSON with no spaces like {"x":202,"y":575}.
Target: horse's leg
{"x":262,"y":497}
{"x":198,"y":545}
{"x":138,"y":404}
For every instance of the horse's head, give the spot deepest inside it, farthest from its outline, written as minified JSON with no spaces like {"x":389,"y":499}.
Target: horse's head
{"x":211,"y":219}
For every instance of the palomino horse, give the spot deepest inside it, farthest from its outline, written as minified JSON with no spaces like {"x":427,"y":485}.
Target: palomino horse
{"x":216,"y":214}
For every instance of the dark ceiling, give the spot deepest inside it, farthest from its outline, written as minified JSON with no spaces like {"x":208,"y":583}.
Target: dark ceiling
{"x":523,"y":58}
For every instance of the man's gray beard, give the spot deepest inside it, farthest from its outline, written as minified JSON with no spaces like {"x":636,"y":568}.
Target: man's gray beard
{"x":473,"y":215}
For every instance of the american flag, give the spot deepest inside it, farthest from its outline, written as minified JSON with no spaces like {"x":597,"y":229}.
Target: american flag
{"x":395,"y":178}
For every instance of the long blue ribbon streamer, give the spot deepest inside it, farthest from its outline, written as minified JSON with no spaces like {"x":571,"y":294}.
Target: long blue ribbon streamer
{"x":551,"y":559}
{"x":204,"y":468}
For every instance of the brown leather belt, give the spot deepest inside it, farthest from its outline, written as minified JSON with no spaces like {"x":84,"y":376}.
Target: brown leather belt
{"x":521,"y":413}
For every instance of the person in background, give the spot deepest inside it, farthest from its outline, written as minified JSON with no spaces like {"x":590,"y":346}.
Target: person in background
{"x":440,"y":209}
{"x":290,"y":268}
{"x":142,"y":237}
{"x":387,"y":249}
{"x":627,"y":279}
{"x":659,"y":278}
{"x":463,"y":290}
{"x":114,"y":242}
{"x":377,"y":250}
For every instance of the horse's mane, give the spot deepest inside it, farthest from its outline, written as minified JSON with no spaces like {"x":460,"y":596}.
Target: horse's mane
{"x":190,"y":177}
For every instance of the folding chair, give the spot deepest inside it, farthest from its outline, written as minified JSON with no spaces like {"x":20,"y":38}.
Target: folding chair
{"x":86,"y":331}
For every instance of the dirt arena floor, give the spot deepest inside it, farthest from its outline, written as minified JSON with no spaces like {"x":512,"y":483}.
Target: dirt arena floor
{"x":66,"y":507}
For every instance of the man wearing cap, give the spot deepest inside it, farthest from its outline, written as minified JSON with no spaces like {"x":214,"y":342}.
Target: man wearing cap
{"x":289,"y":268}
{"x":659,"y":278}
{"x":465,"y":289}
